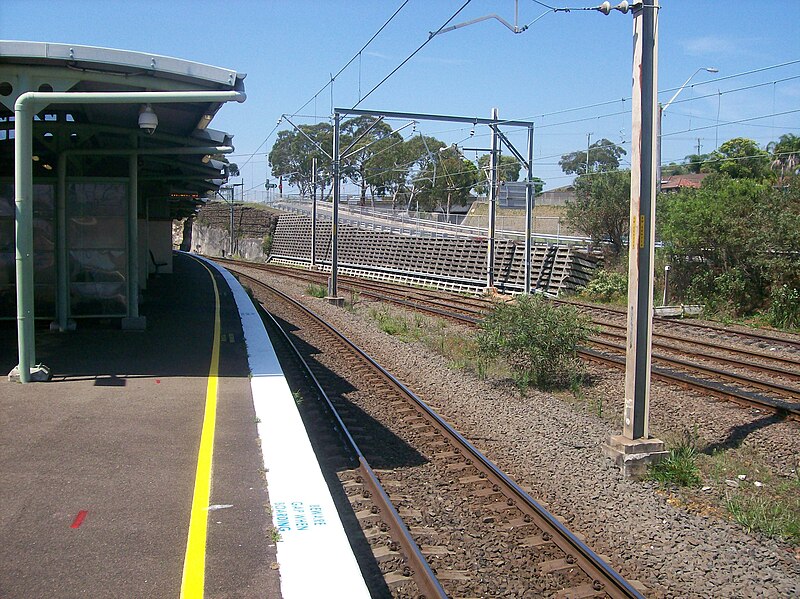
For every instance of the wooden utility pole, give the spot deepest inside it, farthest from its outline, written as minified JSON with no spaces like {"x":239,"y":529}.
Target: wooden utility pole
{"x":643,"y":209}
{"x":634,"y":450}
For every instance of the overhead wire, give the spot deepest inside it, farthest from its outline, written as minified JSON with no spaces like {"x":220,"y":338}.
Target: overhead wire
{"x":414,"y":53}
{"x":356,"y":55}
{"x":574,"y":109}
{"x":726,"y":123}
{"x":333,"y":77}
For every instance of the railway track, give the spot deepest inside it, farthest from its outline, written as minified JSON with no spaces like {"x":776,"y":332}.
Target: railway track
{"x":479,"y":532}
{"x":748,"y":376}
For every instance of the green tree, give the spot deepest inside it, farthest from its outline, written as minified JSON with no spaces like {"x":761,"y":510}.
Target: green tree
{"x":673,"y":168}
{"x":292,"y":154}
{"x":694,"y":162}
{"x":731,"y":241}
{"x":448,"y":178}
{"x":739,"y":158}
{"x":604,"y":156}
{"x":601,"y":208}
{"x":387,"y":171}
{"x":369,"y":137}
{"x":419,"y":156}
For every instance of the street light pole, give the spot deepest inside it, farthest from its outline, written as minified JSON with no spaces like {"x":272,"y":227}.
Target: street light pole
{"x":661,"y":110}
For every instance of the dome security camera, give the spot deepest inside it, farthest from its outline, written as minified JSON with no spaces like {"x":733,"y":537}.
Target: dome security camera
{"x":148,"y":120}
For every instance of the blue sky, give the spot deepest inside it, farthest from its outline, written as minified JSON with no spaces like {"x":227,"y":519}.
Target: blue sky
{"x":289,"y":49}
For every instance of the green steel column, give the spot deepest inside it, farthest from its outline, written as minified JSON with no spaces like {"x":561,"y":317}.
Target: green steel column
{"x":23,"y":198}
{"x":62,"y":273}
{"x":133,"y":237}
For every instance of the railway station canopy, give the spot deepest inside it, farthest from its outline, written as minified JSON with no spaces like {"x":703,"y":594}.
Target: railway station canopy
{"x":99,"y":150}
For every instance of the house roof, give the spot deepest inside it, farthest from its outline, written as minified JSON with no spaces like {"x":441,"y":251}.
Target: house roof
{"x":674,"y":182}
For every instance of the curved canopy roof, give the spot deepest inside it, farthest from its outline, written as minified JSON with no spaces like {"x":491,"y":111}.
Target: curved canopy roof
{"x":89,"y":129}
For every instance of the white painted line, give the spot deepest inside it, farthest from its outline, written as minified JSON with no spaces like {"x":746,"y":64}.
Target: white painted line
{"x":314,"y":555}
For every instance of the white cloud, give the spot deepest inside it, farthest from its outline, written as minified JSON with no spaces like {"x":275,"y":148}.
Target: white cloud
{"x":711,"y":44}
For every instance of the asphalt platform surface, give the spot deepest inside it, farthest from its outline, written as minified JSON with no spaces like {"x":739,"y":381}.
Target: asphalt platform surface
{"x":97,"y":466}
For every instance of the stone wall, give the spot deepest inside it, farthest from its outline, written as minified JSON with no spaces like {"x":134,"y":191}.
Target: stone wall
{"x":209,"y":231}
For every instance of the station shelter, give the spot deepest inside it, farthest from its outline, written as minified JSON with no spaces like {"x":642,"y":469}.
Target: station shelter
{"x":100,"y":149}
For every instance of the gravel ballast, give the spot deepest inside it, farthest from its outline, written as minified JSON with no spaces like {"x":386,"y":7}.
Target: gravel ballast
{"x":552,"y":447}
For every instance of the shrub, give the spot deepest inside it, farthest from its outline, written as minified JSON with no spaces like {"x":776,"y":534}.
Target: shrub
{"x":537,"y":339}
{"x":784,"y":309}
{"x":606,"y":286}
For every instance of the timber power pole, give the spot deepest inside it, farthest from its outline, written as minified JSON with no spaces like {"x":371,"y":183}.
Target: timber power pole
{"x":634,"y":449}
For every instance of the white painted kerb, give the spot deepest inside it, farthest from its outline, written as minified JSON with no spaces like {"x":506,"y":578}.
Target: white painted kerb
{"x":314,"y":555}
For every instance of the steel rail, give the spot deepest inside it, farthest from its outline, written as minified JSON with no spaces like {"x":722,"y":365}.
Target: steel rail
{"x":718,"y":390}
{"x":577,"y":554}
{"x":760,"y":336}
{"x":734,"y":350}
{"x":419,"y":571}
{"x":780,"y":389}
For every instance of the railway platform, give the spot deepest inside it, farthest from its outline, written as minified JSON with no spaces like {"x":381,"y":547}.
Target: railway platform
{"x":138,"y":471}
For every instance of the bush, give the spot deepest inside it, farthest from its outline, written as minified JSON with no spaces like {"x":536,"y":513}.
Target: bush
{"x":538,"y":340}
{"x":784,"y":309}
{"x":728,"y":294}
{"x":606,"y":286}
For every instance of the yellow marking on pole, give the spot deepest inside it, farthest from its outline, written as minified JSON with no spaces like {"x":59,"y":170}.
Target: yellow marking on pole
{"x":641,"y":230}
{"x":194,"y":564}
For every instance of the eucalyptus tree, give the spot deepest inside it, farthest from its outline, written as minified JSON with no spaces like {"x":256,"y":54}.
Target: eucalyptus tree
{"x":292,"y":155}
{"x":451,"y":177}
{"x":387,"y":169}
{"x":601,"y":208}
{"x":740,"y":158}
{"x":363,"y":138}
{"x":421,"y":154}
{"x":508,"y":169}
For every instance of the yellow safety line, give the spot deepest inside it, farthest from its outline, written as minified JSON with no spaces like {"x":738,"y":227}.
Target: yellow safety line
{"x":194,"y":565}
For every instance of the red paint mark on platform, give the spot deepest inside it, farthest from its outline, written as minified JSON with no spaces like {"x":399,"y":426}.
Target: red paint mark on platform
{"x":158,"y":381}
{"x":79,"y":519}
